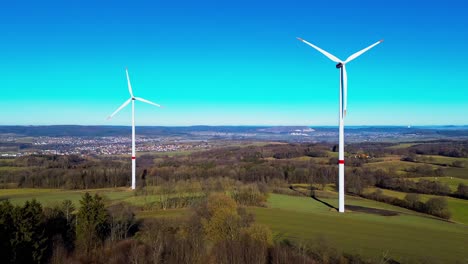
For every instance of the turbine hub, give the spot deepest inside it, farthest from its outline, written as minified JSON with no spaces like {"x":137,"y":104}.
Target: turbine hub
{"x":339,"y":65}
{"x":133,"y":98}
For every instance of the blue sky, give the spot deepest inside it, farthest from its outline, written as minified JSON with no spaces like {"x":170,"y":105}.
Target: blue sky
{"x":232,"y":63}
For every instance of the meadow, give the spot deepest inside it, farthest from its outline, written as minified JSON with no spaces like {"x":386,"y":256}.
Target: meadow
{"x":457,"y":207}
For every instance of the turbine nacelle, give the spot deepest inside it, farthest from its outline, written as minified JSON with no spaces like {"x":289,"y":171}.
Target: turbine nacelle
{"x":339,"y":65}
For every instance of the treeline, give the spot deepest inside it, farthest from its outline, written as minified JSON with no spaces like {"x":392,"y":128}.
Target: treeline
{"x":218,"y":231}
{"x":424,"y":170}
{"x":436,"y":206}
{"x":70,"y":172}
{"x":448,"y":148}
{"x":457,"y":149}
{"x":189,"y":193}
{"x":420,"y":186}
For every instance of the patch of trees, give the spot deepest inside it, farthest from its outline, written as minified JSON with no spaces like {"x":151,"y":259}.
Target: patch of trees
{"x":357,"y":179}
{"x":421,"y":186}
{"x":411,"y":157}
{"x":436,"y":206}
{"x":70,"y":172}
{"x":28,"y":232}
{"x":456,"y":149}
{"x":462,"y":191}
{"x":458,"y":164}
{"x":290,"y":151}
{"x":251,"y":195}
{"x":50,"y":161}
{"x":424,"y":170}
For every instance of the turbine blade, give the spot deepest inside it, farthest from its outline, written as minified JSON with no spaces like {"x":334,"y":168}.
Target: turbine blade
{"x":128,"y":82}
{"x":146,"y":101}
{"x":359,"y":53}
{"x":345,"y":91}
{"x":330,"y":56}
{"x":120,"y":108}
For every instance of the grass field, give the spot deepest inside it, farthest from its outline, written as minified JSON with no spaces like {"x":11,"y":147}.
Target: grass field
{"x":461,"y":173}
{"x":51,"y":197}
{"x":443,"y":160}
{"x":405,"y":237}
{"x":458,"y":207}
{"x":402,"y":146}
{"x":11,"y":168}
{"x":332,"y":154}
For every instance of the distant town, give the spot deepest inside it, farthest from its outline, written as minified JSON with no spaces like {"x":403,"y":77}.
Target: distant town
{"x":18,"y":141}
{"x":92,"y":146}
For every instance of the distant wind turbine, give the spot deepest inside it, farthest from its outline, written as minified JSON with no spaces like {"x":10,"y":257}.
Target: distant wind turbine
{"x":132,"y":99}
{"x":343,"y":106}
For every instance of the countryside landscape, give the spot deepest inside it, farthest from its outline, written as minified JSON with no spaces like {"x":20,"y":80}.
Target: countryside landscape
{"x":402,"y":200}
{"x":224,"y":132}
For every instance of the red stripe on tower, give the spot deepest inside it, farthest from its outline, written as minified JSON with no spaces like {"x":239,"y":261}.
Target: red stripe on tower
{"x":133,"y":157}
{"x":341,"y":162}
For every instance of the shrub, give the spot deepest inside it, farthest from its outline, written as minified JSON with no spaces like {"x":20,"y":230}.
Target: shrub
{"x":438,"y":206}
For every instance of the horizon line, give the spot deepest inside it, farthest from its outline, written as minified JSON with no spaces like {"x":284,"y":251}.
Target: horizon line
{"x":243,"y":125}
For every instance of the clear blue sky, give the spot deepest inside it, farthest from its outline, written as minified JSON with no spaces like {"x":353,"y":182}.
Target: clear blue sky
{"x":233,"y":62}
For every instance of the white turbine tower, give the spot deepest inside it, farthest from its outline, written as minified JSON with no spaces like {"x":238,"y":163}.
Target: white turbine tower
{"x":343,"y":105}
{"x":132,"y":99}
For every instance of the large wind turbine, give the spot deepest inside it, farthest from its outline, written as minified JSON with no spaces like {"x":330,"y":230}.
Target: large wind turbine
{"x":132,"y":99}
{"x":343,"y":105}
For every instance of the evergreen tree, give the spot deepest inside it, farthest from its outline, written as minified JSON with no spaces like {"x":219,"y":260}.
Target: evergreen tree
{"x":29,"y":242}
{"x":6,"y":230}
{"x":92,"y":223}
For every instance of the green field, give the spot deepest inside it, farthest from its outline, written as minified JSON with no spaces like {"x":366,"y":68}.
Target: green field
{"x":457,"y":172}
{"x":394,"y":162}
{"x":11,"y":168}
{"x":402,"y":146}
{"x":458,"y":207}
{"x":443,"y":160}
{"x":51,"y":197}
{"x":406,"y":237}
